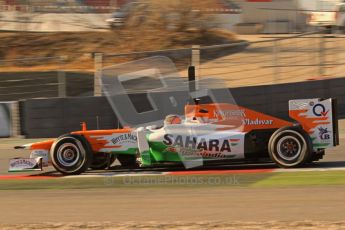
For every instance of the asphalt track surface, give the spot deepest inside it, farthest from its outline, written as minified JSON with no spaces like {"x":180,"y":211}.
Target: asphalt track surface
{"x":170,"y":204}
{"x":165,"y":205}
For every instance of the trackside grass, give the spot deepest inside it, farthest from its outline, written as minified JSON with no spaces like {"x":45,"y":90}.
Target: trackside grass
{"x":304,"y":179}
{"x":196,"y":181}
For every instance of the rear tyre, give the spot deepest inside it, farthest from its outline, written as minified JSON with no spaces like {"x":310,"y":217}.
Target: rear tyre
{"x":100,"y":161}
{"x":290,"y":147}
{"x":71,"y":155}
{"x":127,"y":160}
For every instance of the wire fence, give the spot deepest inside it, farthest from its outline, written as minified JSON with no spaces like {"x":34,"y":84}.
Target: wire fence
{"x":182,"y":59}
{"x":309,"y":56}
{"x":284,"y":59}
{"x":275,"y":60}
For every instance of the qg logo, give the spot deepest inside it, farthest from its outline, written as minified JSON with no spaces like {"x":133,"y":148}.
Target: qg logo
{"x":319,"y":110}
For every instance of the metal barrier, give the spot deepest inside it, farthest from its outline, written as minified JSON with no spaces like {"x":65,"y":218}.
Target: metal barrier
{"x":5,"y":119}
{"x":21,"y":79}
{"x":55,"y":116}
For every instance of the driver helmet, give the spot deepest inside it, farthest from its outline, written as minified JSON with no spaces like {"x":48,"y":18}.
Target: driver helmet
{"x":172,"y":119}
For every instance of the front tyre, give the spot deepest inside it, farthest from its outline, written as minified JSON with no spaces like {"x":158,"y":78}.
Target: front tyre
{"x":290,"y":147}
{"x":102,"y":160}
{"x":71,"y":155}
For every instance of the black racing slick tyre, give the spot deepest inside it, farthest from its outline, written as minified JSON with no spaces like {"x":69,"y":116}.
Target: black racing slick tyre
{"x":102,"y":160}
{"x":290,"y":147}
{"x":71,"y":154}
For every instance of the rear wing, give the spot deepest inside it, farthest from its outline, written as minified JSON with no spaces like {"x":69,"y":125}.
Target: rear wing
{"x":319,"y":119}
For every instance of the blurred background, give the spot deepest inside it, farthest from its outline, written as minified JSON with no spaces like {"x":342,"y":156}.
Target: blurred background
{"x":57,"y":49}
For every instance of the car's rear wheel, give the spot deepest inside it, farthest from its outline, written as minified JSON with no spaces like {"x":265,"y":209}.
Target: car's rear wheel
{"x":290,"y":147}
{"x":71,"y":155}
{"x":102,"y":160}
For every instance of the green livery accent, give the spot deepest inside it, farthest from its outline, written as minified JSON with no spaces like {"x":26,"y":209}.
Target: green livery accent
{"x":160,"y":153}
{"x":324,"y":145}
{"x":24,"y":170}
{"x":163,"y":153}
{"x":319,"y":145}
{"x":130,"y":151}
{"x":146,"y":158}
{"x":312,"y":139}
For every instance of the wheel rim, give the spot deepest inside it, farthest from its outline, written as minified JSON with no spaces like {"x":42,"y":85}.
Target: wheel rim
{"x":68,"y":154}
{"x":289,"y":148}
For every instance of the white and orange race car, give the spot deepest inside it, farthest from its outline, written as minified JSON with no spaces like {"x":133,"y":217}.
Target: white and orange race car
{"x":208,"y":133}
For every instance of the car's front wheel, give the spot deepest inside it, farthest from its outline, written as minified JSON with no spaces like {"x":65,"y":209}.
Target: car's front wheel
{"x":290,"y":147}
{"x":71,"y":155}
{"x":102,"y":161}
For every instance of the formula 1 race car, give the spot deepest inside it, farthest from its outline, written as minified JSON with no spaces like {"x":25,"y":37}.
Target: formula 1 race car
{"x":206,"y":133}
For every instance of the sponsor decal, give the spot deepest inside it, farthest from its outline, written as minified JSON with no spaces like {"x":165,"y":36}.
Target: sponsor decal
{"x":124,"y":138}
{"x":193,"y":143}
{"x":319,"y":110}
{"x":234,"y":142}
{"x":24,"y":164}
{"x":229,"y":113}
{"x":193,"y":147}
{"x":187,"y":152}
{"x":41,"y":153}
{"x":226,"y":114}
{"x":324,"y":134}
{"x":257,"y":121}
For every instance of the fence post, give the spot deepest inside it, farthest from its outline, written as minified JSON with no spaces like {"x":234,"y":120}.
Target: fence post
{"x":196,"y":59}
{"x":15,"y":120}
{"x":275,"y":62}
{"x":62,"y":78}
{"x":98,"y":74}
{"x":322,"y":56}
